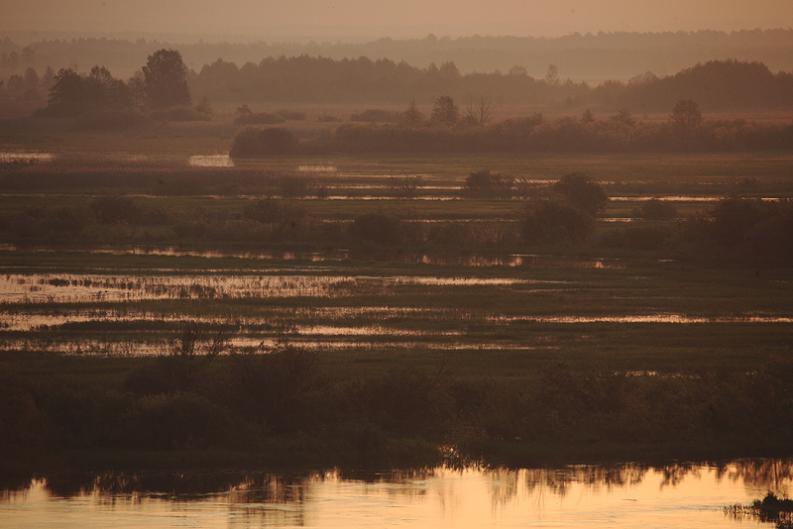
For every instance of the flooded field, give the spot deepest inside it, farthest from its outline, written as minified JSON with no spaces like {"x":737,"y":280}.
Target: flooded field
{"x":333,"y":302}
{"x":25,"y":157}
{"x":127,"y":297}
{"x":201,"y":314}
{"x":68,"y":288}
{"x":623,"y":496}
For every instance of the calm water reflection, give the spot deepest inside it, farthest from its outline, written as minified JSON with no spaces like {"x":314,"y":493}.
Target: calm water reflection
{"x":623,"y":496}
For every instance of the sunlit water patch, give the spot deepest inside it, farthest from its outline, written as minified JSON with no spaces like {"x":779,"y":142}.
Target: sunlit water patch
{"x":668,"y":319}
{"x":622,"y":496}
{"x":618,"y":220}
{"x":75,"y":288}
{"x":679,"y":198}
{"x":25,"y":158}
{"x":317,"y":168}
{"x":210,"y":160}
{"x":81,"y":288}
{"x":314,"y":257}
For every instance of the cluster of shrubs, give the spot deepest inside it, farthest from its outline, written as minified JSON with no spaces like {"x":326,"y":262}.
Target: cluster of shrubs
{"x":737,"y":231}
{"x":287,"y":399}
{"x":620,"y":133}
{"x":158,"y":92}
{"x":377,"y":115}
{"x":62,"y":224}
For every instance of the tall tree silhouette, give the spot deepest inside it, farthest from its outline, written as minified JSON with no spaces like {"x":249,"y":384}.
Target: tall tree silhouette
{"x":165,"y":76}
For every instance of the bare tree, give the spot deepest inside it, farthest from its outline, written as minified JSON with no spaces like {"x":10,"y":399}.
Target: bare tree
{"x":686,"y":115}
{"x":479,"y":112}
{"x":552,"y":75}
{"x":413,"y":115}
{"x":445,"y":111}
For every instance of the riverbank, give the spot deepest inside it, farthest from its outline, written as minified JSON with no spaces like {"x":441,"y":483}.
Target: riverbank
{"x":295,"y":409}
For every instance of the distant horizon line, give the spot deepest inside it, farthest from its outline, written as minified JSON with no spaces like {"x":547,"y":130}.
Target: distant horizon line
{"x":248,"y":37}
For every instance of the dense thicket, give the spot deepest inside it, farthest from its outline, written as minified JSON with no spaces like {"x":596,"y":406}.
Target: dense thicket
{"x":531,"y":134}
{"x":160,"y":89}
{"x":724,"y":85}
{"x":291,"y":408}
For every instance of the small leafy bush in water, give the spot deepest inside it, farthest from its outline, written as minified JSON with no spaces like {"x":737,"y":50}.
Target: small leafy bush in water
{"x":251,"y":142}
{"x":550,"y":221}
{"x":745,"y":230}
{"x":487,"y":183}
{"x":581,"y":192}
{"x":771,"y":509}
{"x":377,"y":228}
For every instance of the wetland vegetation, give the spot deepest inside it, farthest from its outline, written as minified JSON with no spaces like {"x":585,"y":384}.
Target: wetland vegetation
{"x":254,"y":316}
{"x":194,"y":287}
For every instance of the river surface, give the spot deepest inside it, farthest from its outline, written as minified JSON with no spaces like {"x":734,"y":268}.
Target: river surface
{"x":677,"y":496}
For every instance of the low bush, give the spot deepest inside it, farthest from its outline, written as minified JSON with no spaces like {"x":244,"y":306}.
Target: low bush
{"x":253,"y":142}
{"x":548,"y":221}
{"x":488,"y":184}
{"x":581,"y":192}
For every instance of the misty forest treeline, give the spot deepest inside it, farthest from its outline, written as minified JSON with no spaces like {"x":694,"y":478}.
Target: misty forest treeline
{"x":717,"y":85}
{"x":593,"y":57}
{"x":725,"y":85}
{"x":160,"y":89}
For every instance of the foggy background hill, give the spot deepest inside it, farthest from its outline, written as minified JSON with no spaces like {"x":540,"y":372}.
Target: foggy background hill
{"x":581,"y":57}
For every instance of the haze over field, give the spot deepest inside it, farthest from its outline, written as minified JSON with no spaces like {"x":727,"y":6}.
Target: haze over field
{"x":355,"y":19}
{"x":409,"y":263}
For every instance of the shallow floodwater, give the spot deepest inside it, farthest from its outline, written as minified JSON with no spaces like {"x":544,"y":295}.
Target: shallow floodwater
{"x":77,"y":288}
{"x":25,"y":157}
{"x":626,"y":496}
{"x":210,"y":160}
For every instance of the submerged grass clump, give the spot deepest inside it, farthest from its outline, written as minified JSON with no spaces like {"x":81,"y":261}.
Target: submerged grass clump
{"x":771,"y":509}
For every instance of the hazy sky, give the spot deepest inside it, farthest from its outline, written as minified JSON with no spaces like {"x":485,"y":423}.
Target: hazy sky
{"x":269,"y":19}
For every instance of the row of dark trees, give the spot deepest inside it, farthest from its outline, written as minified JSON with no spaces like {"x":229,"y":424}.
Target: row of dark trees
{"x":725,"y":85}
{"x":445,"y":132}
{"x":718,"y":85}
{"x":162,"y":83}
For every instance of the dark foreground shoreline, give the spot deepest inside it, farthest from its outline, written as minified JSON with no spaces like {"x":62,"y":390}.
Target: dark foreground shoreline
{"x":298,"y":410}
